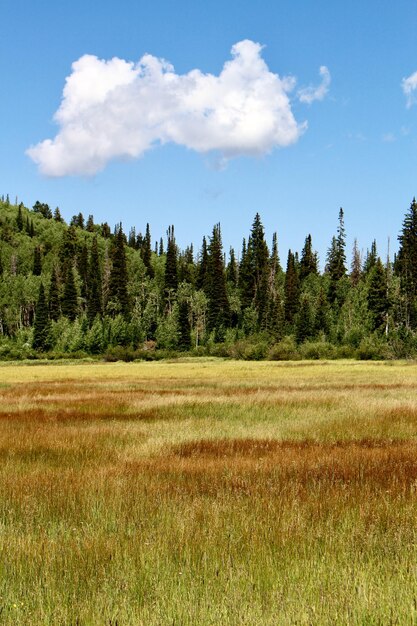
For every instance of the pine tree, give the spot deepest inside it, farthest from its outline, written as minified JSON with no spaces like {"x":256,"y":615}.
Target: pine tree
{"x":90,"y":224}
{"x":171,"y":268}
{"x":371,"y":259}
{"x":322,"y":318}
{"x":202,"y":268}
{"x":19,"y":219}
{"x":336,"y":259}
{"x":43,"y":209}
{"x":118,"y":294}
{"x":69,"y":303}
{"x":231,"y":270}
{"x":94,"y":287}
{"x":68,"y":249}
{"x":304,"y":320}
{"x":41,"y":324}
{"x":275,"y":316}
{"x":186,"y":266}
{"x":37,"y":261}
{"x":356,"y":265}
{"x":259,"y":258}
{"x":274,"y":261}
{"x":406,"y":264}
{"x":146,"y":252}
{"x":57,"y":215}
{"x":218,"y":305}
{"x":54,"y":305}
{"x":82,"y":266}
{"x":245,"y":280}
{"x":291,"y":290}
{"x":377,"y":295}
{"x":308,"y":262}
{"x":161,"y":247}
{"x":105,"y":231}
{"x":184,"y":328}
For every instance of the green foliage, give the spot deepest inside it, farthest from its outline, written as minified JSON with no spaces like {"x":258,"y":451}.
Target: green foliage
{"x":69,"y":303}
{"x":41,"y":324}
{"x":171,"y":269}
{"x":218,"y":316}
{"x":102,"y":294}
{"x":118,"y":301}
{"x":291,"y":290}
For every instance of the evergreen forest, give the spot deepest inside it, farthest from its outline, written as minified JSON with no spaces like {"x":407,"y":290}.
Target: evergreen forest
{"x":83,"y":289}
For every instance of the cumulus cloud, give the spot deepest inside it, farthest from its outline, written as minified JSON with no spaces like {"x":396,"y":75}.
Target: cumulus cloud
{"x":310,"y":94}
{"x":409,"y":86}
{"x":118,"y":109}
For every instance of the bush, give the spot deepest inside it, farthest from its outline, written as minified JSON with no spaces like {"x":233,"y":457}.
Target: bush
{"x":285,"y":350}
{"x":317,"y":350}
{"x":373,"y":348}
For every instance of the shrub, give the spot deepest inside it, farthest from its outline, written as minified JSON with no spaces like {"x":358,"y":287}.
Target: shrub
{"x":317,"y":350}
{"x":284,"y":350}
{"x":372,"y":348}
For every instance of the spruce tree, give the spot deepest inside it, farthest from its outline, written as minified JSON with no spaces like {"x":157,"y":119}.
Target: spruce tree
{"x":291,"y":290}
{"x":356,"y":265}
{"x":231,"y":270}
{"x":82,"y":266}
{"x":94,"y":287}
{"x":90,"y":224}
{"x":69,"y":303}
{"x":259,"y":258}
{"x":68,"y":249}
{"x":202,"y":267}
{"x":19,"y":219}
{"x":218,"y":317}
{"x":377,"y":296}
{"x":146,"y":252}
{"x":171,"y":268}
{"x":57,"y":215}
{"x":184,"y":328}
{"x":304,"y":320}
{"x":322,"y":317}
{"x":370,"y":259}
{"x":245,"y":281}
{"x":54,"y":305}
{"x":308,"y":262}
{"x":118,"y":294}
{"x":274,"y":259}
{"x":105,"y":231}
{"x":41,"y":324}
{"x":336,"y":259}
{"x":406,"y":264}
{"x":37,"y":261}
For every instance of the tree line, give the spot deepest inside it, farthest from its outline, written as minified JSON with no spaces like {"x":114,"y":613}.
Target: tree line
{"x":84,"y":288}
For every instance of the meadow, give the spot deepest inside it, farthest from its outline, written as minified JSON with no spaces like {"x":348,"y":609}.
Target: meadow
{"x":208,"y":492}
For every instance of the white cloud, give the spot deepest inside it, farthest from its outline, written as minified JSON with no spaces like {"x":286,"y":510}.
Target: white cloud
{"x":409,"y":85}
{"x":310,"y":94}
{"x":117,"y":109}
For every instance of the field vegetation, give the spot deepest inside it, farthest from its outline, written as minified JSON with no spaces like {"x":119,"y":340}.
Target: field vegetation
{"x":208,"y":492}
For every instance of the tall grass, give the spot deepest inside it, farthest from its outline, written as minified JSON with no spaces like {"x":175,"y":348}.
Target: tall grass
{"x":208,"y":493}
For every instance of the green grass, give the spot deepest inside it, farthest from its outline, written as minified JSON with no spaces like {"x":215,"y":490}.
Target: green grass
{"x":212,"y":492}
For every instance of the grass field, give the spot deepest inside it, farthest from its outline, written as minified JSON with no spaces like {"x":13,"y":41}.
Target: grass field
{"x":208,"y":493}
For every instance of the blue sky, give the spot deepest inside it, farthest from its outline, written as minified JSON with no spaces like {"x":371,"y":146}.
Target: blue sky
{"x":359,"y":150}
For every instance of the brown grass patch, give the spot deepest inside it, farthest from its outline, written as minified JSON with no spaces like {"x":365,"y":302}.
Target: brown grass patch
{"x":270,"y":468}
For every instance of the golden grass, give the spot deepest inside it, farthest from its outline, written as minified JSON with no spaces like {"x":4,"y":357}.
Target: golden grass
{"x":208,"y":493}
